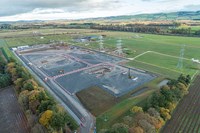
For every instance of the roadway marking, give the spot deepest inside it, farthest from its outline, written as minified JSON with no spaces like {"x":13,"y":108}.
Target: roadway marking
{"x":158,"y":54}
{"x":195,"y":74}
{"x":76,"y":59}
{"x":82,"y":69}
{"x":158,"y":66}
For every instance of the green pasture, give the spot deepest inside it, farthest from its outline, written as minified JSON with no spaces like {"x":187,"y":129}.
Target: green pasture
{"x":12,"y":42}
{"x":135,"y":43}
{"x":165,"y":65}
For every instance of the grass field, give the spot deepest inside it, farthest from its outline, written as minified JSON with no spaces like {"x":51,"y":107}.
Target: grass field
{"x":165,"y":45}
{"x":165,"y":62}
{"x":162,"y":60}
{"x":195,"y":28}
{"x":41,"y":32}
{"x":135,"y":43}
{"x":96,"y":100}
{"x":119,"y":111}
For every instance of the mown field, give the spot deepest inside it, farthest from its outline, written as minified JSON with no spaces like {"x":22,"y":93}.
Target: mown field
{"x":35,"y":32}
{"x":186,"y":118}
{"x":169,"y":46}
{"x":135,"y":44}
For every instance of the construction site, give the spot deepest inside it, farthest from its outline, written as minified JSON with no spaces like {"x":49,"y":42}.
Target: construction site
{"x":74,"y":69}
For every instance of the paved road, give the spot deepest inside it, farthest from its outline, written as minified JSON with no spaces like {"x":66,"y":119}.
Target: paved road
{"x":76,"y":110}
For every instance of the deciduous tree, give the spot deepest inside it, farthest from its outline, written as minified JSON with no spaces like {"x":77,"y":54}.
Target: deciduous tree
{"x":46,"y":117}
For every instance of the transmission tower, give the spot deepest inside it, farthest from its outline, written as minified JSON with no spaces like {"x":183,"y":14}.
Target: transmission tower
{"x":119,"y":47}
{"x":101,"y":44}
{"x":180,"y":61}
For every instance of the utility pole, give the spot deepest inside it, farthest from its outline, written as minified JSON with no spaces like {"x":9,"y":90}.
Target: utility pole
{"x":180,"y":61}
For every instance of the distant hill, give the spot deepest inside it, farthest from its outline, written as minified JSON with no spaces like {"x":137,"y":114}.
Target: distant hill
{"x":183,"y":15}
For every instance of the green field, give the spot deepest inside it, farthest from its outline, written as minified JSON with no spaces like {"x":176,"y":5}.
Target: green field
{"x":165,"y":62}
{"x":195,"y":28}
{"x":96,"y":100}
{"x":168,"y":46}
{"x":162,"y":59}
{"x":136,"y":44}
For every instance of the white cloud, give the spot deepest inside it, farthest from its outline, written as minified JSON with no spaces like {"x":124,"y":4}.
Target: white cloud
{"x":44,"y":10}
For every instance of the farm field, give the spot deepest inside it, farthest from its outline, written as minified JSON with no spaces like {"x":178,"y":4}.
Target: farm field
{"x":36,"y":32}
{"x":136,"y":44}
{"x":186,"y":117}
{"x":12,"y":118}
{"x":193,"y":28}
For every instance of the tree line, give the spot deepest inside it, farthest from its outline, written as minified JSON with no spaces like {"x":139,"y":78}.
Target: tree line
{"x":42,"y":112}
{"x":169,"y":29}
{"x":152,"y":116}
{"x":139,"y":28}
{"x":5,"y":78}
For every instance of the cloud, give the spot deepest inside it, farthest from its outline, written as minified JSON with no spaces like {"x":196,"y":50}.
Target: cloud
{"x":192,"y":7}
{"x":13,"y":7}
{"x":72,"y":9}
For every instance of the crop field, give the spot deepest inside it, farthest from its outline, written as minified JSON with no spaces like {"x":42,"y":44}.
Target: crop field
{"x":186,"y":118}
{"x":12,"y":118}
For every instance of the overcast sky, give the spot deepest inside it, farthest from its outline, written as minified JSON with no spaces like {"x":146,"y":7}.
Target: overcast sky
{"x":13,"y":10}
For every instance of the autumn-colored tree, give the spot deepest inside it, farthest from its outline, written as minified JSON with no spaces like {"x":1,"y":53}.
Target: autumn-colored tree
{"x":23,"y":99}
{"x":146,"y":126}
{"x":165,"y":113}
{"x":33,"y":105}
{"x":18,"y":84}
{"x":119,"y":128}
{"x":156,"y":122}
{"x":34,"y":95}
{"x":13,"y":73}
{"x":30,"y":85}
{"x":23,"y":72}
{"x":171,"y":106}
{"x":183,"y":88}
{"x":10,"y":66}
{"x":42,"y":96}
{"x":46,"y":117}
{"x":136,"y":130}
{"x":136,"y":109}
{"x":153,"y":112}
{"x":128,"y":120}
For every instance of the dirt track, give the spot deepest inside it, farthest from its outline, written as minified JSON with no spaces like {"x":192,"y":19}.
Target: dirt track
{"x":12,"y":118}
{"x":186,"y":118}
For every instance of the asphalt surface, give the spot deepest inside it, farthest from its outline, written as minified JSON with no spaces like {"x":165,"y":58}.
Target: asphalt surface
{"x":76,"y":110}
